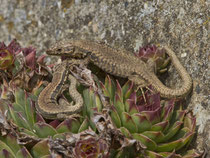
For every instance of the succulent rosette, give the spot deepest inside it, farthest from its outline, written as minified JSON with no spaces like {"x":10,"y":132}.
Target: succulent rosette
{"x":155,"y":57}
{"x":19,"y":67}
{"x":22,"y":114}
{"x":89,"y":146}
{"x":160,"y":125}
{"x":7,"y":54}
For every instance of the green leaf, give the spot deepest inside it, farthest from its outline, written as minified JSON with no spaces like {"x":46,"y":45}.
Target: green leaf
{"x":11,"y":141}
{"x":173,"y":130}
{"x":131,"y":107}
{"x":6,"y":154}
{"x":44,"y":130}
{"x":98,"y":102}
{"x":19,"y":119}
{"x":23,"y":153}
{"x":127,"y":90}
{"x":156,"y":136}
{"x":4,"y":148}
{"x":28,"y":132}
{"x":115,"y":117}
{"x":69,"y":125}
{"x":161,"y":126}
{"x":119,"y":90}
{"x":30,"y":112}
{"x":141,"y":122}
{"x":168,"y":147}
{"x":20,"y":97}
{"x":84,"y":125}
{"x":40,"y":149}
{"x":119,"y":105}
{"x":152,"y":154}
{"x":125,"y":132}
{"x":128,"y":122}
{"x":110,"y":87}
{"x":88,"y":101}
{"x":150,"y":144}
{"x":185,"y":135}
{"x":46,"y":156}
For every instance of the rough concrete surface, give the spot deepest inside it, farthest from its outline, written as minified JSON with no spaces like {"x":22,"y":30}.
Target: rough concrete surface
{"x":183,"y":25}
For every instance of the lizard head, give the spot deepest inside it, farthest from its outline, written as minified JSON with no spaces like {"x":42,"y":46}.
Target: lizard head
{"x":67,"y":49}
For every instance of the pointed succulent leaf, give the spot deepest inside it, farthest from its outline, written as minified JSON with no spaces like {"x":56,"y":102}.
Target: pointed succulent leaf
{"x":127,"y":89}
{"x":18,"y":108}
{"x":23,"y":153}
{"x":6,"y":154}
{"x":60,"y":136}
{"x":37,"y":150}
{"x":105,"y":91}
{"x":30,"y":111}
{"x":37,"y":91}
{"x":110,"y":86}
{"x":84,"y":125}
{"x":190,"y":122}
{"x":119,"y":105}
{"x":125,"y":131}
{"x":170,"y":154}
{"x":119,"y":89}
{"x":128,"y":122}
{"x":156,"y":136}
{"x":161,"y":126}
{"x":185,"y":135}
{"x":28,"y":132}
{"x":178,"y":115}
{"x":152,"y":154}
{"x":19,"y":119}
{"x":11,"y":142}
{"x":141,"y":122}
{"x":168,"y":147}
{"x":46,"y":156}
{"x":115,"y":117}
{"x":92,"y":125}
{"x":20,"y":97}
{"x":152,"y":116}
{"x":88,"y":101}
{"x":167,"y":110}
{"x":130,"y":106}
{"x":44,"y":130}
{"x":97,"y":102}
{"x":12,"y":113}
{"x":68,"y":125}
{"x":6,"y":150}
{"x":191,"y":153}
{"x":150,"y":144}
{"x":173,"y":130}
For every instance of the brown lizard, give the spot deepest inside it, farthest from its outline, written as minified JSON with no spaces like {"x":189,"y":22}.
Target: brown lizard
{"x":123,"y":64}
{"x":49,"y":104}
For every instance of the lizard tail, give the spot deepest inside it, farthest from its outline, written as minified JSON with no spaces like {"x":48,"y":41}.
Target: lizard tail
{"x":167,"y":92}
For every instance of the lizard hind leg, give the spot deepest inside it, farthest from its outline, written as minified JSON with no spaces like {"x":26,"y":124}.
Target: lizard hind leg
{"x":141,"y":83}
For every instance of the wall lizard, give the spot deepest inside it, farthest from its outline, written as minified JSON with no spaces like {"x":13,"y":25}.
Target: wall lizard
{"x":123,"y":64}
{"x":49,"y":104}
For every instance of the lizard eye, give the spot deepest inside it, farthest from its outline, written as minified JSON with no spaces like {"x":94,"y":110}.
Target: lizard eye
{"x":59,"y":49}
